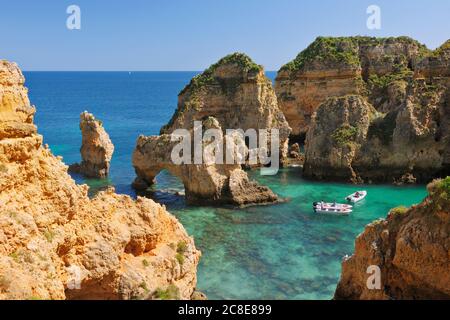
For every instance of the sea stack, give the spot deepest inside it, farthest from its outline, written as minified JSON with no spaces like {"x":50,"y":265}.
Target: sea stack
{"x":405,"y":86}
{"x":233,"y":93}
{"x":410,"y":249}
{"x":96,"y":148}
{"x":56,"y":243}
{"x":236,"y":92}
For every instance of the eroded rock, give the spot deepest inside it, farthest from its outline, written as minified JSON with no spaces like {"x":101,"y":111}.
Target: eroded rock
{"x":407,"y":88}
{"x":237,"y":93}
{"x":340,"y":66}
{"x":205,"y":183}
{"x":56,"y":243}
{"x":96,"y":148}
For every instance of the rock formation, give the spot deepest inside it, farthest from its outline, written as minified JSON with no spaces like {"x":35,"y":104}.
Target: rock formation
{"x":237,"y":93}
{"x":234,"y":94}
{"x":405,"y":86}
{"x":207,"y":183}
{"x":338,"y":129}
{"x":332,"y":67}
{"x":96,"y":148}
{"x":411,"y":248}
{"x":56,"y":243}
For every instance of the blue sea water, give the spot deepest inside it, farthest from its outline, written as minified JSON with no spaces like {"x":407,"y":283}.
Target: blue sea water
{"x":282,"y":251}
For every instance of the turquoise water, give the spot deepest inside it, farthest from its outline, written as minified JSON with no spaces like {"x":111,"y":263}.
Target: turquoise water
{"x":281,"y":251}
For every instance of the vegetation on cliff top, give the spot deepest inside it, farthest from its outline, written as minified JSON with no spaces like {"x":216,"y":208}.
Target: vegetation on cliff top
{"x":343,"y":50}
{"x":445,"y":47}
{"x":241,"y":59}
{"x":439,"y":191}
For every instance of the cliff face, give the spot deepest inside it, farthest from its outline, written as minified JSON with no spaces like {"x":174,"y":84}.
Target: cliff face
{"x":207,"y":183}
{"x":411,"y":248}
{"x":56,"y":243}
{"x":408,"y":131}
{"x":332,"y":67}
{"x":96,"y":148}
{"x":338,"y":130}
{"x":237,"y":93}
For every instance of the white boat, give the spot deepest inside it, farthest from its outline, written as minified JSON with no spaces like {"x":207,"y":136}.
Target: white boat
{"x":357,"y":196}
{"x":335,"y":211}
{"x":330,"y":205}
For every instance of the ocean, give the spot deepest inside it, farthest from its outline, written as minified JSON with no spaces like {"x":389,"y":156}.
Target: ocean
{"x":282,"y":251}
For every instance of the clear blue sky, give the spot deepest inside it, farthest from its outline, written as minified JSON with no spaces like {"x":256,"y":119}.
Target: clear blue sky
{"x":192,"y":34}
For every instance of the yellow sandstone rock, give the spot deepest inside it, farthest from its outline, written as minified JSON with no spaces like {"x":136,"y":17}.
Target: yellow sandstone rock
{"x":56,"y":243}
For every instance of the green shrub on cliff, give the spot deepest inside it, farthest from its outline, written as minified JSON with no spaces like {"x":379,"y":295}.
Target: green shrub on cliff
{"x":206,"y":77}
{"x":344,"y":135}
{"x":171,"y":293}
{"x":400,"y":73}
{"x":341,"y":50}
{"x":345,"y":50}
{"x":399,"y":210}
{"x":443,"y":48}
{"x":444,"y":185}
{"x":181,"y":247}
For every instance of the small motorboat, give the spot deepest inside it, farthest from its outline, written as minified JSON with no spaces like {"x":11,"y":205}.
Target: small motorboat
{"x":335,"y":211}
{"x":330,"y":205}
{"x":357,"y":196}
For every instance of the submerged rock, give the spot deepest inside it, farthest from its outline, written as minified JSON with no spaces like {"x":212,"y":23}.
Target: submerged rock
{"x":56,"y":243}
{"x":96,"y":149}
{"x":410,"y":248}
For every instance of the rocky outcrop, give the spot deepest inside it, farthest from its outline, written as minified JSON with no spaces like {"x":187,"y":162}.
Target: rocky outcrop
{"x":407,"y":132}
{"x":332,"y":67}
{"x":411,"y":248}
{"x":237,"y":93}
{"x":338,"y":130}
{"x":56,"y":243}
{"x":96,"y":148}
{"x":232,"y":94}
{"x":206,"y":183}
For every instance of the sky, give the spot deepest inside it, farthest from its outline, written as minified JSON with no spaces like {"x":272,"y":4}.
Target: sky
{"x":178,"y":35}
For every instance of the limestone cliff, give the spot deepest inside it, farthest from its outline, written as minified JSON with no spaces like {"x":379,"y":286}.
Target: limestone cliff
{"x":408,"y":130}
{"x":411,"y":248}
{"x":332,"y":67}
{"x":237,"y":93}
{"x":56,"y":243}
{"x":96,"y":148}
{"x":338,"y":130}
{"x":207,"y":183}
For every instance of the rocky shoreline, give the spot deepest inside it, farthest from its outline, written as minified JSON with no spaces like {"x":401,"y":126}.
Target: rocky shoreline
{"x":56,"y":243}
{"x":367,"y":110}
